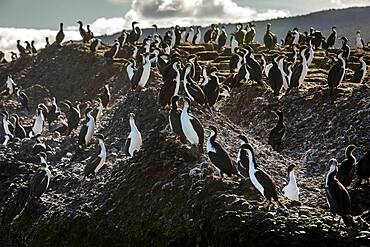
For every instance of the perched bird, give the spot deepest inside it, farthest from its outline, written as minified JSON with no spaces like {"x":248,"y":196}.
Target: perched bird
{"x":60,"y":35}
{"x":192,"y":89}
{"x":251,"y":34}
{"x":88,"y":128}
{"x":135,"y":33}
{"x":360,"y":72}
{"x":222,"y":38}
{"x":39,"y":146}
{"x":131,"y":68}
{"x":47,"y":44}
{"x":38,"y":123}
{"x":218,"y":155}
{"x":253,"y":66}
{"x":40,"y":181}
{"x":345,"y":48}
{"x":191,"y":127}
{"x":277,"y":133}
{"x":134,"y":141}
{"x":112,"y":52}
{"x":300,"y":71}
{"x":98,"y":160}
{"x":363,"y":169}
{"x":346,"y":170}
{"x":33,"y":48}
{"x":105,"y":96}
{"x":240,"y":33}
{"x":7,"y":125}
{"x":259,"y":178}
{"x":211,"y":87}
{"x":291,"y":190}
{"x":275,"y":76}
{"x":89,"y":32}
{"x":19,"y":131}
{"x":171,"y":87}
{"x":174,"y":119}
{"x":330,"y":42}
{"x":359,"y":41}
{"x":10,"y":86}
{"x":95,"y":45}
{"x":84,"y":35}
{"x":73,"y":116}
{"x":22,"y":98}
{"x":197,"y":36}
{"x":337,"y":196}
{"x":270,"y":39}
{"x":336,"y":73}
{"x":53,"y":112}
{"x":22,"y":51}
{"x":190,"y":35}
{"x":142,"y":75}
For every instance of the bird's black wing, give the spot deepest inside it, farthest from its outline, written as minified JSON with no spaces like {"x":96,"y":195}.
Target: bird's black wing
{"x":127,"y":146}
{"x":268,"y":185}
{"x":136,"y":78}
{"x":81,"y":136}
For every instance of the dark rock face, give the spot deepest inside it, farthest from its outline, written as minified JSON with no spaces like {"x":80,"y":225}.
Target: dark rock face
{"x":164,"y":195}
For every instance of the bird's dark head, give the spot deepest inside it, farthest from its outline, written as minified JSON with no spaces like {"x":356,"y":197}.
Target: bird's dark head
{"x":80,"y":22}
{"x":333,"y":28}
{"x":174,"y":99}
{"x":360,"y":57}
{"x":344,"y":39}
{"x":61,"y":24}
{"x":303,"y":47}
{"x":213,"y":129}
{"x":155,"y":26}
{"x":268,"y":25}
{"x":278,"y":113}
{"x":295,"y":29}
{"x":15,"y":116}
{"x":213,"y":70}
{"x":350,"y":148}
{"x":88,"y":110}
{"x":291,"y":168}
{"x":99,"y":136}
{"x":135,"y":22}
{"x":243,"y":139}
{"x":247,"y":146}
{"x":18,"y":41}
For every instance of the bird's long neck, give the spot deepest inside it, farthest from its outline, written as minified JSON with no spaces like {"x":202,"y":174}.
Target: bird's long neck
{"x":133,"y":125}
{"x":350,"y":156}
{"x":213,"y":136}
{"x":292,"y":178}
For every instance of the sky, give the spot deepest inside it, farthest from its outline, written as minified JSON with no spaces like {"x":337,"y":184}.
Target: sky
{"x":35,"y":19}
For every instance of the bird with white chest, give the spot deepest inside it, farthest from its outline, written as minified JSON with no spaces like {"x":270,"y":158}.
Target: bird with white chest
{"x":291,"y":190}
{"x":134,"y":141}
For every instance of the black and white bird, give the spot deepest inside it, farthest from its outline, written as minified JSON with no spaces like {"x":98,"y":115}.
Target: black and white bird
{"x":40,"y":146}
{"x":191,"y":127}
{"x":134,"y":141}
{"x":88,"y":128}
{"x":253,"y":66}
{"x":5,"y":139}
{"x":170,"y":88}
{"x":135,"y":33}
{"x":112,"y":52}
{"x":53,"y":112}
{"x":174,"y":119}
{"x":22,"y":51}
{"x":7,"y":125}
{"x":309,"y":53}
{"x":211,"y":87}
{"x":277,"y":133}
{"x":259,"y":178}
{"x":291,"y":190}
{"x":41,"y":180}
{"x":345,"y":48}
{"x":105,"y":96}
{"x":141,"y":77}
{"x":360,"y":72}
{"x":330,"y":42}
{"x":10,"y":86}
{"x":300,"y":71}
{"x":98,"y":160}
{"x":346,"y":170}
{"x":131,"y":68}
{"x":363,"y":169}
{"x":360,"y":45}
{"x":38,"y":123}
{"x":95,"y":45}
{"x":60,"y":35}
{"x":336,"y":73}
{"x":89,"y":32}
{"x":218,"y":155}
{"x":22,"y":98}
{"x":337,"y":196}
{"x":275,"y":76}
{"x":222,"y":38}
{"x":193,"y":90}
{"x":19,"y":131}
{"x":198,"y":36}
{"x":73,"y":116}
{"x":270,"y":39}
{"x":190,"y":35}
